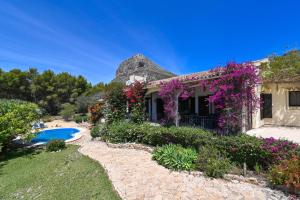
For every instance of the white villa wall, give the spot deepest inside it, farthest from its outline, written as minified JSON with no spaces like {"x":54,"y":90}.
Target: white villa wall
{"x":282,"y":113}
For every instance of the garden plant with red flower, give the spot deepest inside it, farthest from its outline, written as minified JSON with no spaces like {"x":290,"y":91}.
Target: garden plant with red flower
{"x":287,"y":173}
{"x":135,"y":95}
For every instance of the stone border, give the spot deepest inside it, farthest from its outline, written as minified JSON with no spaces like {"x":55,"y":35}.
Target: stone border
{"x":252,"y":180}
{"x":228,"y":177}
{"x":131,"y":146}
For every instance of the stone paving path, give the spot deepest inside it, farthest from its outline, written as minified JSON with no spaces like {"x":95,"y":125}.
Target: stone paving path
{"x":289,"y":133}
{"x":136,"y":176}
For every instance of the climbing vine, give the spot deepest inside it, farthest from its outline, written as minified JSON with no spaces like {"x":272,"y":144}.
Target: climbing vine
{"x":170,"y":92}
{"x":233,"y":94}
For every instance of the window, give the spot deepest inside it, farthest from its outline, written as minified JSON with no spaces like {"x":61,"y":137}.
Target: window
{"x":187,"y":107}
{"x":294,"y":98}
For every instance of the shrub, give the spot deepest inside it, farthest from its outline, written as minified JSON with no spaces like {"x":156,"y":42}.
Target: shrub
{"x":188,"y":136}
{"x":98,"y":130}
{"x":68,"y":110}
{"x":255,"y":151}
{"x":115,"y":103}
{"x":239,"y":149}
{"x":47,"y":118}
{"x":16,"y":118}
{"x":95,"y":112}
{"x":212,"y":162}
{"x":55,"y":145}
{"x":87,"y":99}
{"x":119,"y":132}
{"x":286,"y":173}
{"x":80,"y":118}
{"x":175,"y":157}
{"x":157,"y":135}
{"x":243,"y":149}
{"x":135,"y":94}
{"x":137,"y":114}
{"x":279,"y":149}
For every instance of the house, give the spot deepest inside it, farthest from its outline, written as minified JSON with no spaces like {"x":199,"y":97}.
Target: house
{"x":196,"y":110}
{"x":281,"y":102}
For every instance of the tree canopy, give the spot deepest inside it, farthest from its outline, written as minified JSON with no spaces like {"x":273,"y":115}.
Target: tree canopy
{"x":282,"y":68}
{"x":47,"y":89}
{"x":16,"y":118}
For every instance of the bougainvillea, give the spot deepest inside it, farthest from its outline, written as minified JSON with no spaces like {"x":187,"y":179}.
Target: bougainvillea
{"x":170,"y":92}
{"x":279,"y":150}
{"x":135,"y":94}
{"x":233,"y":94}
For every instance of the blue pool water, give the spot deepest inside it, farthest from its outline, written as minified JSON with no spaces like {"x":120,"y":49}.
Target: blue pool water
{"x":55,"y":134}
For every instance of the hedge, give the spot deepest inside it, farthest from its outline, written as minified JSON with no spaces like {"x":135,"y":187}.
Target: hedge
{"x":239,"y":149}
{"x":156,"y":135}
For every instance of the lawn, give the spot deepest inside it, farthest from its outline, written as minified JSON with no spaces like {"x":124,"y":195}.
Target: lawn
{"x":53,"y":175}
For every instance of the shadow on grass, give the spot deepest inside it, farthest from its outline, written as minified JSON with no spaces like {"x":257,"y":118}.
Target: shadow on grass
{"x":28,"y":152}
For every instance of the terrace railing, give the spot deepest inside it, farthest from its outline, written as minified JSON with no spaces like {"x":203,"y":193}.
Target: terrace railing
{"x":205,"y":122}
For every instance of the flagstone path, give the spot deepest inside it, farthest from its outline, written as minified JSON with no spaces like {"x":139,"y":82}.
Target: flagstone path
{"x":136,"y":176}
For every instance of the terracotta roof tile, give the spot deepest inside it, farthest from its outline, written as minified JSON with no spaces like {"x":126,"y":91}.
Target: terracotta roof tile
{"x":185,"y":78}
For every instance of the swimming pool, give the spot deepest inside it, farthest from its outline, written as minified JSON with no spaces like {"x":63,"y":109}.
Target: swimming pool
{"x":45,"y":136}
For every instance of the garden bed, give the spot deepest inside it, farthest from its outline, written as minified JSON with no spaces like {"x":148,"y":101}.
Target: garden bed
{"x":257,"y":155}
{"x":251,"y":177}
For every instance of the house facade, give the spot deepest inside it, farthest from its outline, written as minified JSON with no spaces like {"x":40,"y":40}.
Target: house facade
{"x":280,"y":107}
{"x":280,"y":102}
{"x":195,"y":111}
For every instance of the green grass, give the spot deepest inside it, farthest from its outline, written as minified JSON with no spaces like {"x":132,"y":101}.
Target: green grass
{"x":53,"y":175}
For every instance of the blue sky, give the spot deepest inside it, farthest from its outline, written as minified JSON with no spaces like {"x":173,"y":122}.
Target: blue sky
{"x":92,"y":37}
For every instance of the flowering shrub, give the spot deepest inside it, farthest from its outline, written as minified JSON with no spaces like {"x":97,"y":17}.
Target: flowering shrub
{"x":233,"y":93}
{"x":95,"y":112}
{"x":170,"y":92}
{"x":135,"y":94}
{"x":278,"y":149}
{"x":286,"y":173}
{"x":114,"y":108}
{"x":253,"y":151}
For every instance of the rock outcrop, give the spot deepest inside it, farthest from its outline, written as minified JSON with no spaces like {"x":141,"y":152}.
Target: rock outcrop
{"x":139,"y":65}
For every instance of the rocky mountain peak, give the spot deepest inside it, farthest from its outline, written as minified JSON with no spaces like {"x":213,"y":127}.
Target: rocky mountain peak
{"x":140,"y":65}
